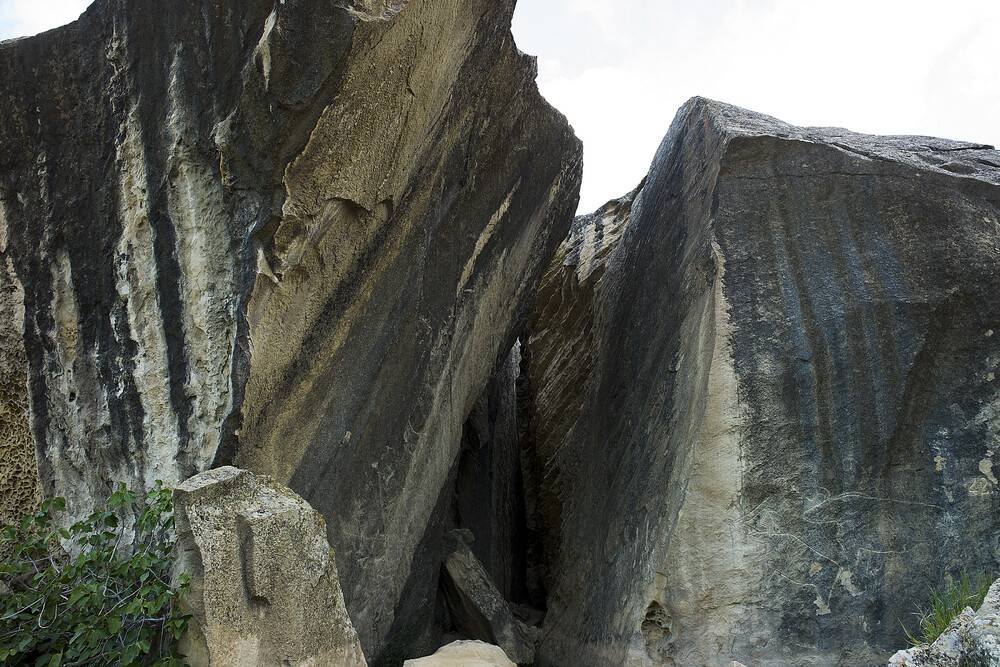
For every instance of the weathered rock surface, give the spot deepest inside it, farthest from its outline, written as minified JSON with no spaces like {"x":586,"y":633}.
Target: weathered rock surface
{"x":464,"y":654}
{"x":478,"y":610}
{"x":763,"y":397}
{"x":264,"y":583}
{"x":972,"y":640}
{"x":18,"y":470}
{"x":294,"y":236}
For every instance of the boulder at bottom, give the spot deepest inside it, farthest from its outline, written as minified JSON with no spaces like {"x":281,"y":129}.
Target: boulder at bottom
{"x":972,"y":640}
{"x":464,"y":654}
{"x":264,"y":585}
{"x":477,"y":608}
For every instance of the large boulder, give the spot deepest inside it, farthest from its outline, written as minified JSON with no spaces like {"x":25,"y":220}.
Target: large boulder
{"x":762,"y":396}
{"x":264,"y":588}
{"x":295,"y":236}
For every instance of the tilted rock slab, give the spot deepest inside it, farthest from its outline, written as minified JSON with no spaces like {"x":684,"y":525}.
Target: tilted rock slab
{"x":18,"y":470}
{"x":264,"y":587}
{"x":477,"y":609}
{"x":295,"y":236}
{"x":763,"y":397}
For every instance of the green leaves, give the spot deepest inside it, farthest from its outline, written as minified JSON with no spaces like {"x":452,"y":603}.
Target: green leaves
{"x":946,"y":603}
{"x":103,"y":600}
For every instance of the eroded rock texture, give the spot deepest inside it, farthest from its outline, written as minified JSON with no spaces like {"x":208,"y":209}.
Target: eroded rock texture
{"x":289,"y":234}
{"x":762,"y":397}
{"x":264,"y":585}
{"x":464,"y":654}
{"x":18,"y":470}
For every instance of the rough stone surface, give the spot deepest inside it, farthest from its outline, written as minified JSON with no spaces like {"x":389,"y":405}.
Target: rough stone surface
{"x":946,"y":651}
{"x":294,"y":236}
{"x":476,"y":607}
{"x":982,"y":636}
{"x":972,"y":640}
{"x":19,"y":491}
{"x":763,"y":397}
{"x":264,"y":584}
{"x":464,"y":654}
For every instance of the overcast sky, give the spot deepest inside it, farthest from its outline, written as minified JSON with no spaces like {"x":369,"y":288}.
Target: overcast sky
{"x":619,"y":69}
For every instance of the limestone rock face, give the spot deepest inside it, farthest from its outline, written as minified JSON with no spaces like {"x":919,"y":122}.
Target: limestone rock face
{"x":972,"y":640}
{"x":294,"y":236}
{"x":762,"y":397}
{"x":464,"y":654}
{"x":264,"y":584}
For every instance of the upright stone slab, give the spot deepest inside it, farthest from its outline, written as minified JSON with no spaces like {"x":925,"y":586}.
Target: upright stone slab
{"x":763,"y":397}
{"x":264,"y":586}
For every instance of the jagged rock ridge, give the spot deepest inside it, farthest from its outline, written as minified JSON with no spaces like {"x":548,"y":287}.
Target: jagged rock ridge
{"x":292,"y":235}
{"x":762,"y":396}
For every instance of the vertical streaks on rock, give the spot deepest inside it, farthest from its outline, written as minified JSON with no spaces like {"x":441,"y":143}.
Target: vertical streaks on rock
{"x":763,"y":421}
{"x":135,"y":261}
{"x":18,"y":471}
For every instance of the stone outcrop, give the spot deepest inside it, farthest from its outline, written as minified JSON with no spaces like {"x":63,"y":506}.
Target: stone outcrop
{"x":762,"y":397}
{"x":264,"y":585}
{"x":483,"y":499}
{"x":464,"y":654}
{"x":972,"y":640}
{"x":292,"y":236}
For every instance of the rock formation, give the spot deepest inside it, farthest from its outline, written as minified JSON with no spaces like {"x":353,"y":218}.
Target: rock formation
{"x":762,"y":397}
{"x":972,"y":640}
{"x":291,"y":235}
{"x":748,"y":413}
{"x":264,"y":586}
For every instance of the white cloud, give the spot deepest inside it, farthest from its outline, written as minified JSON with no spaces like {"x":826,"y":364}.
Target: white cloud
{"x":888,"y":67}
{"x":19,"y":18}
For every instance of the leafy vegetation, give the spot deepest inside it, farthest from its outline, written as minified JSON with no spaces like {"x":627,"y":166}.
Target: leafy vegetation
{"x":105,"y":599}
{"x":946,"y":603}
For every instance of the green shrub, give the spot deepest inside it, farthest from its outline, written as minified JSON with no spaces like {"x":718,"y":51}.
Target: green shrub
{"x":946,"y":603}
{"x":104,"y":600}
